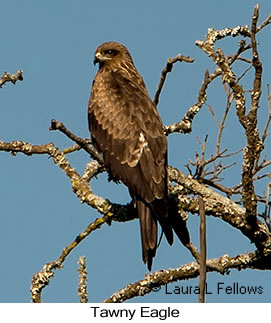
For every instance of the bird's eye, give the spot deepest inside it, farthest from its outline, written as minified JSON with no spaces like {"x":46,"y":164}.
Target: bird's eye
{"x":109,"y":52}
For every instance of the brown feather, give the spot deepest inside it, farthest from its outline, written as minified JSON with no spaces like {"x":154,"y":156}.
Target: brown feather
{"x":126,"y":127}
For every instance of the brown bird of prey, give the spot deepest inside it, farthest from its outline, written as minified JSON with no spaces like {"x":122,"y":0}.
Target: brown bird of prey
{"x":127,"y":129}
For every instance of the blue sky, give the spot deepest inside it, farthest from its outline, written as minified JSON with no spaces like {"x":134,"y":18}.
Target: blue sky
{"x":54,"y":42}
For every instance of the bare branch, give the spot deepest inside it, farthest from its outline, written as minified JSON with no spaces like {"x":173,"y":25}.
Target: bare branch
{"x":185,"y":125}
{"x":256,"y":93}
{"x":13,"y":78}
{"x":82,"y":286}
{"x":41,"y":279}
{"x":265,"y":132}
{"x":213,"y":113}
{"x":219,"y":206}
{"x":166,"y":70}
{"x":266,"y":22}
{"x":72,"y":149}
{"x":242,"y":48}
{"x":188,"y":271}
{"x":80,"y":186}
{"x":84,"y":143}
{"x":222,"y":124}
{"x":194,"y":251}
{"x":215,"y":35}
{"x":254,"y":146}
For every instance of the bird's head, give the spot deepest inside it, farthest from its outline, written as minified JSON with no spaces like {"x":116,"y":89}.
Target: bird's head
{"x":110,"y":53}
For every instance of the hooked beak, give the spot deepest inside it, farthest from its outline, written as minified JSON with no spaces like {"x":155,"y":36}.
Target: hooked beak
{"x":97,"y":58}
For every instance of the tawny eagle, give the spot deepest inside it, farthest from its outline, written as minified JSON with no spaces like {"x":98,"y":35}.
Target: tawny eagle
{"x":127,"y":129}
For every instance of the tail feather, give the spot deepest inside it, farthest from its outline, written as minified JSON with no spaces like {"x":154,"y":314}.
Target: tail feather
{"x":160,"y":211}
{"x":148,"y":228}
{"x":169,"y":220}
{"x":177,"y":223}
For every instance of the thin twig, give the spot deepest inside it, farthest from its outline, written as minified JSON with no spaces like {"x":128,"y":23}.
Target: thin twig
{"x":72,"y":149}
{"x":84,"y":143}
{"x":265,"y":132}
{"x":266,"y":22}
{"x":42,"y":278}
{"x":213,"y":113}
{"x":166,"y":70}
{"x":194,"y":251}
{"x":203,"y":251}
{"x":226,"y":112}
